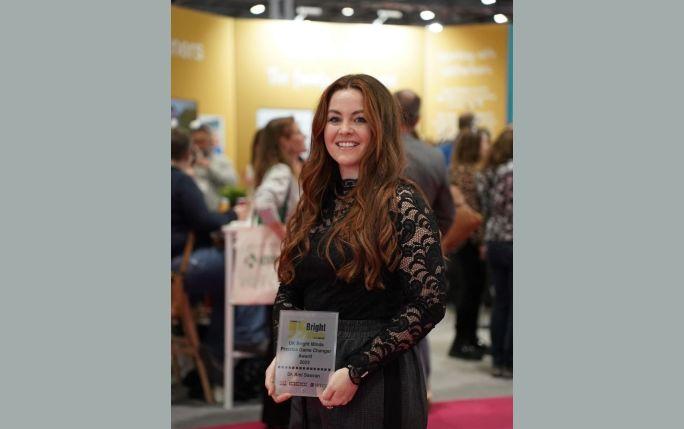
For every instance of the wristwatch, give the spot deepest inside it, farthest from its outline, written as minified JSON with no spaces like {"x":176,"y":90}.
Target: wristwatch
{"x":355,"y":379}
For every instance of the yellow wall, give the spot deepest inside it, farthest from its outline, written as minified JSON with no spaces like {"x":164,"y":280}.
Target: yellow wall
{"x":287,"y":64}
{"x":467,"y":69}
{"x":203,"y":64}
{"x":247,"y":64}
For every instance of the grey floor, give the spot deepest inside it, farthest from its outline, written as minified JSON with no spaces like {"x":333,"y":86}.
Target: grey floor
{"x":451,"y":379}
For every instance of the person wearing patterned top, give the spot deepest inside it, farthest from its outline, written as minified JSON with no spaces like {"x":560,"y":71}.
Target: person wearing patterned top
{"x":362,"y":242}
{"x":495,"y":186}
{"x":467,"y":272}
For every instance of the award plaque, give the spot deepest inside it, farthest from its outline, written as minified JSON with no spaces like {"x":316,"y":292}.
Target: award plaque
{"x":307,"y":341}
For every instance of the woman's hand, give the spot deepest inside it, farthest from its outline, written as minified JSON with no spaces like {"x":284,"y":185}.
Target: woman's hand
{"x":269,"y":382}
{"x":243,"y":209}
{"x":340,"y":389}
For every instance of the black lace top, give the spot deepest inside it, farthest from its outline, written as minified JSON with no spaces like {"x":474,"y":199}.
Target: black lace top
{"x":413,"y":300}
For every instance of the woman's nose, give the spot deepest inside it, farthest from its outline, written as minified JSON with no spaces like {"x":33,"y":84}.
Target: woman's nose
{"x":345,"y":127}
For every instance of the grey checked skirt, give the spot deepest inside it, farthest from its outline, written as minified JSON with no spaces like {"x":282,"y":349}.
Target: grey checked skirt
{"x":393,"y":397}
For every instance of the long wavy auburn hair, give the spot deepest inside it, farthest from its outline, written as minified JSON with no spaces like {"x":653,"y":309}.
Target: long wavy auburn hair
{"x":367,"y":229}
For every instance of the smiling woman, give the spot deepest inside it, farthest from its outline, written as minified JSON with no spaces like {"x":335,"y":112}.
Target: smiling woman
{"x":363,"y":243}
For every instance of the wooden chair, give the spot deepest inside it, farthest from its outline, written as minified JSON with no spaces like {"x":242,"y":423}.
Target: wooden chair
{"x":187,"y":343}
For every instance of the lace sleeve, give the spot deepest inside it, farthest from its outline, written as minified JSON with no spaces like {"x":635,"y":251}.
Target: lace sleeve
{"x":287,"y":298}
{"x":422,"y":279}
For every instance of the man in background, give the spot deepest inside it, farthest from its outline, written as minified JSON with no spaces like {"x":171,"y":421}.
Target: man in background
{"x":466,"y":121}
{"x":211,"y":171}
{"x":426,"y":167}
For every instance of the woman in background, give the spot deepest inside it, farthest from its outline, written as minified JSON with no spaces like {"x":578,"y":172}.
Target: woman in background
{"x":277,"y":165}
{"x":365,"y":244}
{"x":276,"y":152}
{"x":495,"y":186}
{"x":468,"y":276}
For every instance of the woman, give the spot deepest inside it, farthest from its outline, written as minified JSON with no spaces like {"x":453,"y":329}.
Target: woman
{"x":468,"y":273}
{"x":276,"y":152}
{"x":276,"y":169}
{"x":362,"y":243}
{"x":495,"y":186}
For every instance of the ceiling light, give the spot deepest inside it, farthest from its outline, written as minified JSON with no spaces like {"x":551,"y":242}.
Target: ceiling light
{"x":347,"y":11}
{"x":257,"y":9}
{"x":500,"y":18}
{"x":488,"y":2}
{"x":305,"y":11}
{"x":384,"y":14}
{"x":387,"y":13}
{"x":309,"y":10}
{"x":427,"y":15}
{"x":435,"y":27}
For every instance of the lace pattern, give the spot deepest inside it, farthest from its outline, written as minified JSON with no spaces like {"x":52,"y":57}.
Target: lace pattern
{"x":420,"y":275}
{"x":422,"y":279}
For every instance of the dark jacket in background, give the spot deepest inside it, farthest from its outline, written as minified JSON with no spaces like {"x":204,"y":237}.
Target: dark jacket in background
{"x":426,"y":167}
{"x":189,"y":212}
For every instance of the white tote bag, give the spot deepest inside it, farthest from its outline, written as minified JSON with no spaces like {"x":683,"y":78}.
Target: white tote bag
{"x":255,"y":280}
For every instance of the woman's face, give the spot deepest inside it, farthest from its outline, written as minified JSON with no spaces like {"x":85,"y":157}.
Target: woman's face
{"x":347,"y":133}
{"x":294,"y":144}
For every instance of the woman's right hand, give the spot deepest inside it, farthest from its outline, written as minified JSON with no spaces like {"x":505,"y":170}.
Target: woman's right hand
{"x":270,"y":384}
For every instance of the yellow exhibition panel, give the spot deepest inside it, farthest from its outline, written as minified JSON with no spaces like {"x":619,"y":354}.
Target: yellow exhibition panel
{"x":287,"y":64}
{"x":467,"y":68}
{"x":203,"y":66}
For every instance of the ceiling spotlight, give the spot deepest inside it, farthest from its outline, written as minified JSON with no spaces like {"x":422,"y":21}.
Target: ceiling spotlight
{"x":427,"y":15}
{"x":488,"y":2}
{"x":500,"y":18}
{"x":305,"y":11}
{"x":435,"y":27}
{"x":257,"y":9}
{"x":347,"y":11}
{"x":385,"y":14}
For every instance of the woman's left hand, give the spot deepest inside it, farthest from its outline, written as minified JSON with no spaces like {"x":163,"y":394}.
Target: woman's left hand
{"x":340,"y":389}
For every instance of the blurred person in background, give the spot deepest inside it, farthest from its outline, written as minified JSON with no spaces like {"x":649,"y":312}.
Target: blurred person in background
{"x":250,"y":175}
{"x":212,"y":171}
{"x":276,"y":151}
{"x":495,"y":188}
{"x":466,"y":122}
{"x":426,"y":168}
{"x":277,"y":165}
{"x":467,"y":275}
{"x":205,"y":274}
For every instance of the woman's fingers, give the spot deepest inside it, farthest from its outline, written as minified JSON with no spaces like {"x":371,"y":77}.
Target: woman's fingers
{"x":269,"y":379}
{"x":337,"y":399}
{"x":281,"y":398}
{"x":327,"y":394}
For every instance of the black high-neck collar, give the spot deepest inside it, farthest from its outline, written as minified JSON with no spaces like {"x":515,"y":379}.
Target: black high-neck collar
{"x":344,"y":186}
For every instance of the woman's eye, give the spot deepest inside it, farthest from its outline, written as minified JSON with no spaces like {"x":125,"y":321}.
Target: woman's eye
{"x":360,"y":120}
{"x":334,"y":119}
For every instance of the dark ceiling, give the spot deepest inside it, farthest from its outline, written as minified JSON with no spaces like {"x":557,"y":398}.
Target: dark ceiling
{"x":448,"y":12}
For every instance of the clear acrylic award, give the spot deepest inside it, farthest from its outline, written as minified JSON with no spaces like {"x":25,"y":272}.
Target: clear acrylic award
{"x":307,"y":342}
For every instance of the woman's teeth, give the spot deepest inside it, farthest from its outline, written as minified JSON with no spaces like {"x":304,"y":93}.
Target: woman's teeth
{"x":347,"y":144}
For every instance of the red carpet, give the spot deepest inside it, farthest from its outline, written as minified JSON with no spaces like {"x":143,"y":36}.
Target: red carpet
{"x":490,"y":413}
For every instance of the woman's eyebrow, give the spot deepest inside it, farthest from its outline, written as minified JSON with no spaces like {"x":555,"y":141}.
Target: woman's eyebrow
{"x":356,"y":112}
